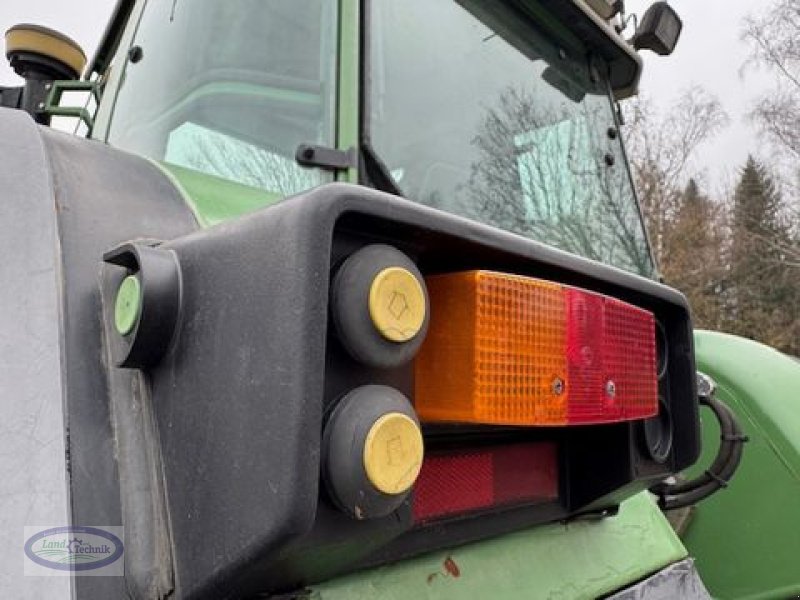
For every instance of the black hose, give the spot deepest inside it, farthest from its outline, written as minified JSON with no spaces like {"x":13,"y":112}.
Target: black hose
{"x":723,"y":457}
{"x":717,"y":476}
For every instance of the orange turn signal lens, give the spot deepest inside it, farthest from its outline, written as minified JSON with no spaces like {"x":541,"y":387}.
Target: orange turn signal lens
{"x":512,"y":350}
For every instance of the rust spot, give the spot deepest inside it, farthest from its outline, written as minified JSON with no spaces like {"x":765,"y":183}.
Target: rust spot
{"x":431,"y":577}
{"x":451,"y":567}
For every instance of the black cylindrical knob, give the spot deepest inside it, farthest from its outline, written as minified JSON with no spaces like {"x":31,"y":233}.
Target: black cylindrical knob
{"x":379,"y":306}
{"x":372,"y":451}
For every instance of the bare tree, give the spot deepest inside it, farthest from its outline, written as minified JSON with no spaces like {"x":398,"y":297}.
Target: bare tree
{"x":774,"y":38}
{"x":696,"y":256}
{"x":249,"y":164}
{"x":661,"y":148}
{"x":541,"y":172}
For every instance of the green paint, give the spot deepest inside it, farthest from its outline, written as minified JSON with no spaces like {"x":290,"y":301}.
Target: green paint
{"x":213,"y":199}
{"x":128,"y":305}
{"x":53,"y":103}
{"x":577,"y":560}
{"x":348,"y":93}
{"x":746,"y":538}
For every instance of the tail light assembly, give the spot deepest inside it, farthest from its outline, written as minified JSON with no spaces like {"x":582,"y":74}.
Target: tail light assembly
{"x":347,"y":379}
{"x":511,"y":350}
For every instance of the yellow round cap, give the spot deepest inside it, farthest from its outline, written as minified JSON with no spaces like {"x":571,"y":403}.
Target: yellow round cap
{"x":397,"y":304}
{"x":47,"y":42}
{"x":393,"y":453}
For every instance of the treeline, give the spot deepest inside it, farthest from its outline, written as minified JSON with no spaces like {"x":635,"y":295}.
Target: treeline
{"x":738,"y":262}
{"x":735,"y":253}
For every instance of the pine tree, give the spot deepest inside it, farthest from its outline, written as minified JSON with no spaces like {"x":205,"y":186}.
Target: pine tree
{"x":764,"y":288}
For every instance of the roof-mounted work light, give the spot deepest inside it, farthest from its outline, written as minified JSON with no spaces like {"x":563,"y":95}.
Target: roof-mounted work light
{"x":659,"y":30}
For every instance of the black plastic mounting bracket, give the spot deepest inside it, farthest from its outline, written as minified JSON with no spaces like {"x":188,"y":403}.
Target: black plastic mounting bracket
{"x":10,"y":97}
{"x":160,"y":278}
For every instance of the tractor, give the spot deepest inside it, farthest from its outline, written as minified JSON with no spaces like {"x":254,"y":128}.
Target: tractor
{"x":353,"y":299}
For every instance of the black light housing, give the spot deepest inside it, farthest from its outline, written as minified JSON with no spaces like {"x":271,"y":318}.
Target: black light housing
{"x":659,"y":30}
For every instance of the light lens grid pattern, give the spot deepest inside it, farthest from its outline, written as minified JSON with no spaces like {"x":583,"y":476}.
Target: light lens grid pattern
{"x":461,"y":482}
{"x":511,"y":350}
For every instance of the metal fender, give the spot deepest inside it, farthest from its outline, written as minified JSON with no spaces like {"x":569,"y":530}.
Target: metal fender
{"x":578,"y":560}
{"x":746,"y":538}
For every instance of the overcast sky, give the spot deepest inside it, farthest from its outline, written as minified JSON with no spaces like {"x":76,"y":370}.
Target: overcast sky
{"x":709,"y":53}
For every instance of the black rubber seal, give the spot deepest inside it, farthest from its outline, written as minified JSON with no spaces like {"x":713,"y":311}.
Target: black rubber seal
{"x":343,"y":450}
{"x":350,"y":307}
{"x":657,"y":433}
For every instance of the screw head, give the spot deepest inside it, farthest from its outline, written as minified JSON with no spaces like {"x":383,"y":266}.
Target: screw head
{"x":558,"y":386}
{"x":611,"y":388}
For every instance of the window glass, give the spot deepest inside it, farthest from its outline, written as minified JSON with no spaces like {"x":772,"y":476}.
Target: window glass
{"x":231,"y":88}
{"x":501,"y":125}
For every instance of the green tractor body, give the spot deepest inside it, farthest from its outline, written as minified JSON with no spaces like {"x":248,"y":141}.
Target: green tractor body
{"x":216,"y":310}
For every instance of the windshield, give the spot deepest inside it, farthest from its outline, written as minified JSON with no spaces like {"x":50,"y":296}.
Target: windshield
{"x":508,"y":127}
{"x":231,"y":89}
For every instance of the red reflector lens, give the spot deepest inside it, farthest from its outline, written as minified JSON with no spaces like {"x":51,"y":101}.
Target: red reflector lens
{"x":453,"y":484}
{"x":465,"y":481}
{"x":611,"y":360}
{"x":629,"y":359}
{"x":584,"y":358}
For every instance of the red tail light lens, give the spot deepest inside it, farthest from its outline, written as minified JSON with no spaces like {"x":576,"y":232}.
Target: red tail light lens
{"x":465,"y":481}
{"x":611,"y":360}
{"x":511,"y":350}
